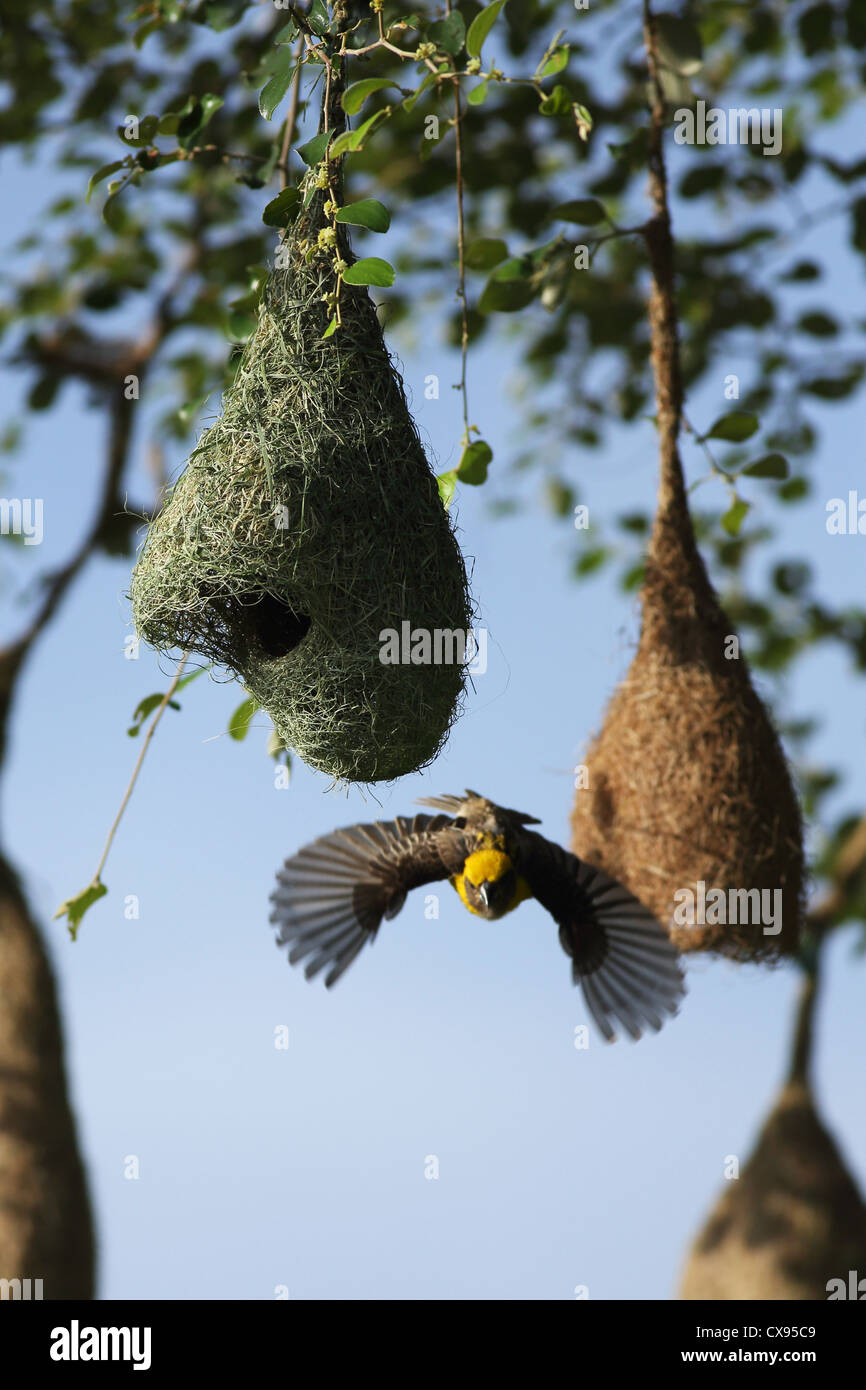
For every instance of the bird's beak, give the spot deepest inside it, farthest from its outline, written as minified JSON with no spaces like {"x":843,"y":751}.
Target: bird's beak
{"x":483,"y":892}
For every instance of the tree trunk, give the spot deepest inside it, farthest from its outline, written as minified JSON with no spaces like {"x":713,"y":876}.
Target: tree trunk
{"x":45,"y":1219}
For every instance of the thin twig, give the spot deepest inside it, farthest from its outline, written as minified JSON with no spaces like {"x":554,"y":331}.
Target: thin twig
{"x":292,"y":116}
{"x":804,"y":1025}
{"x":847,"y":868}
{"x":461,"y":255}
{"x":162,"y":707}
{"x":849,"y":864}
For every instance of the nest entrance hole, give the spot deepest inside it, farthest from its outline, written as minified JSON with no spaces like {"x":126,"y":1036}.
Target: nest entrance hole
{"x":277,"y":627}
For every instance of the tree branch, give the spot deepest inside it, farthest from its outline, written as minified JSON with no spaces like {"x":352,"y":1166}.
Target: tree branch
{"x":664,"y":329}
{"x":105,"y":365}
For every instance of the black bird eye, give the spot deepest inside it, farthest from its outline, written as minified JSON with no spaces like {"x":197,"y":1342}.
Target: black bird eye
{"x":459,"y":822}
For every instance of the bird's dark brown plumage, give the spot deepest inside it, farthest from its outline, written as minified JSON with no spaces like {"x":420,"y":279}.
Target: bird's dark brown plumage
{"x":332,"y":896}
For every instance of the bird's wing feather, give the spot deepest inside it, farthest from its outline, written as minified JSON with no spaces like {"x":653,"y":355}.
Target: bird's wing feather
{"x":621,"y":957}
{"x":471,"y":802}
{"x":452,"y":804}
{"x":331,"y":896}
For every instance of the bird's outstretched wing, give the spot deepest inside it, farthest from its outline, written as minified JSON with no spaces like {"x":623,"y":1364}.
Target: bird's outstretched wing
{"x":472,"y":802}
{"x":332,"y":895}
{"x":621,"y":957}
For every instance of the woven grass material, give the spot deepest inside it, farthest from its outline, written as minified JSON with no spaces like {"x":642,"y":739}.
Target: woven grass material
{"x":308,"y":521}
{"x":791,"y":1222}
{"x":687,"y":778}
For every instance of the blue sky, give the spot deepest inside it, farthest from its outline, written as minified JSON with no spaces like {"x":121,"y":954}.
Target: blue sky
{"x":305,"y":1168}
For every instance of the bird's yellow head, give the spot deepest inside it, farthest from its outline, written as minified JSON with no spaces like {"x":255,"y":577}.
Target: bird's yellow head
{"x":489,"y":884}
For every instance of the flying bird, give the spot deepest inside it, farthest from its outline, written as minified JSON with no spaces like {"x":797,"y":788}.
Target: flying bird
{"x":332,"y":896}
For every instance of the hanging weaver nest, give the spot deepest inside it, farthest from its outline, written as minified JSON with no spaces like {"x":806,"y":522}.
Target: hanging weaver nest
{"x":790,"y":1223}
{"x":688,"y":783}
{"x":306,"y":523}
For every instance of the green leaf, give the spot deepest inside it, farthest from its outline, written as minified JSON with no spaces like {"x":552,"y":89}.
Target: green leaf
{"x":830,"y":388}
{"x":587,"y":212}
{"x":219,"y":14}
{"x":408,"y":102}
{"x":239,"y":724}
{"x":195,"y":116}
{"x":734,"y":517}
{"x":485,"y":253}
{"x":146,"y":707}
{"x":147,"y":129}
{"x":559,"y":102}
{"x":631,"y":152}
{"x":192,"y":676}
{"x":508,"y":288}
{"x":145,"y":30}
{"x":734,"y":428}
{"x":280,"y":211}
{"x":273,"y":92}
{"x":369,"y":270}
{"x":112,"y":212}
{"x":74,"y":908}
{"x":478,"y":95}
{"x":142,"y":710}
{"x":331,"y":328}
{"x":239,"y":326}
{"x":210,"y":104}
{"x":354,"y":97}
{"x":101,"y":174}
{"x":355,"y":139}
{"x":474,"y":462}
{"x":769,"y":466}
{"x":318,"y":17}
{"x":794,"y":490}
{"x":42,"y":395}
{"x":802,"y":270}
{"x":313,"y":152}
{"x":449,"y":33}
{"x":679,"y":43}
{"x":480,"y":28}
{"x":818,"y":324}
{"x":556,"y":62}
{"x":590,"y":561}
{"x":505,"y":297}
{"x":446,"y":483}
{"x":367,"y":212}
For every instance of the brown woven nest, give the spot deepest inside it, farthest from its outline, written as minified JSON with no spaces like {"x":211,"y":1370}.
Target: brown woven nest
{"x":793,"y":1221}
{"x":688,"y":783}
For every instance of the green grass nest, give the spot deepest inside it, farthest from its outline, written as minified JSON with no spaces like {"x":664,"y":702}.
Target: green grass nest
{"x":306,"y":522}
